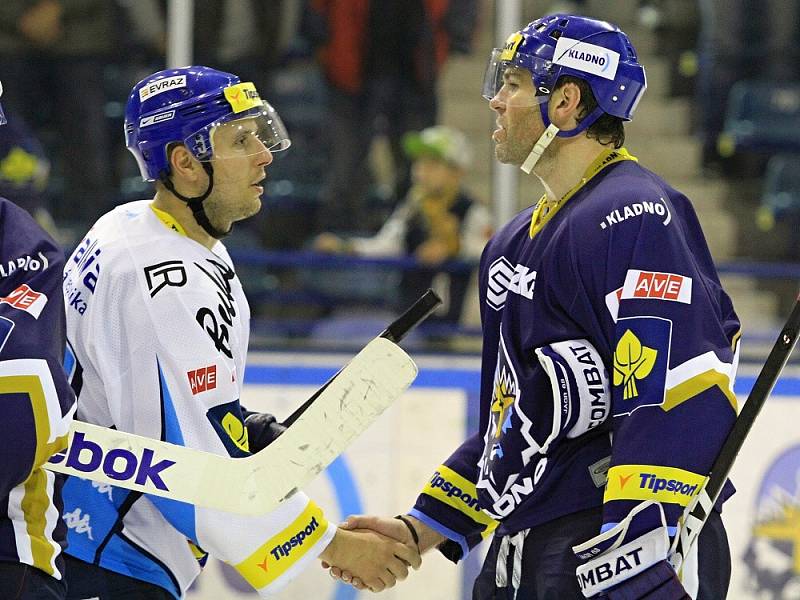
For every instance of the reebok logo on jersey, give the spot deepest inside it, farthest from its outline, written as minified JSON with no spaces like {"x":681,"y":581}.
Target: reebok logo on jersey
{"x":203,"y":379}
{"x":660,"y":286}
{"x":636,"y":209}
{"x":154,"y":88}
{"x":504,"y":278}
{"x":27,"y":299}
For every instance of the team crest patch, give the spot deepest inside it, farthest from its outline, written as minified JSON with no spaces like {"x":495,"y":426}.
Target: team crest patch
{"x":641,"y":358}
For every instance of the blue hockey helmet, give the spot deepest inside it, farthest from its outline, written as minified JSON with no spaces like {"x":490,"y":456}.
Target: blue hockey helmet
{"x":3,"y":120}
{"x":557,"y":45}
{"x":188,"y":105}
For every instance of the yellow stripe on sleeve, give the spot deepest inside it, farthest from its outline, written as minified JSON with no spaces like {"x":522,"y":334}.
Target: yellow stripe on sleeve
{"x":649,"y":482}
{"x":459,"y":493}
{"x":696,"y":385}
{"x":283,"y":550}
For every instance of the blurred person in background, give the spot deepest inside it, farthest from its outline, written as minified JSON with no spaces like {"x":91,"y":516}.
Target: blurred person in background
{"x":438,"y":221}
{"x":52,"y":57}
{"x":382,"y":61}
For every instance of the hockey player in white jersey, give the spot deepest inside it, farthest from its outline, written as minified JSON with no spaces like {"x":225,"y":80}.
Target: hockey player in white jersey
{"x":158,"y":325}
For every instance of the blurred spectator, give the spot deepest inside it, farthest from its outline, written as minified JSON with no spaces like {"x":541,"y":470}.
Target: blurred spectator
{"x":437,"y":222}
{"x":240,"y":36}
{"x":52,"y":56}
{"x":381,"y":60}
{"x":24,"y":170}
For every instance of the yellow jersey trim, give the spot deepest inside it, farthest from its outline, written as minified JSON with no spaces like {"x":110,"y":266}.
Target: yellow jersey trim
{"x":168,"y":220}
{"x":546,"y":209}
{"x":278,"y":554}
{"x":459,"y":493}
{"x":649,"y":482}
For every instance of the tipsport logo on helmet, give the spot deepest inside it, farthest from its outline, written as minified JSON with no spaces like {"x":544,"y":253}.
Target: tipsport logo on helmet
{"x":586,"y":57}
{"x":159,"y":86}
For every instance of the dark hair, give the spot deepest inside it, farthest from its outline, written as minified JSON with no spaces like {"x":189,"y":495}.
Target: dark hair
{"x":608,"y":129}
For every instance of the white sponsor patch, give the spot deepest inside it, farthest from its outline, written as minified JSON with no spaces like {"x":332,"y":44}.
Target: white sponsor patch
{"x":586,"y":57}
{"x":658,"y":286}
{"x":159,"y":118}
{"x":154,"y":88}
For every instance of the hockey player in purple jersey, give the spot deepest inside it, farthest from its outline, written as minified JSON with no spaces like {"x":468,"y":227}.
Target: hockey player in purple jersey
{"x":610,"y":350}
{"x":37,"y":407}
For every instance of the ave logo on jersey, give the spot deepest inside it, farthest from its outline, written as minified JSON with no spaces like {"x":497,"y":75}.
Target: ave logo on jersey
{"x":641,"y":357}
{"x":203,"y":379}
{"x":659,"y":286}
{"x":650,"y":285}
{"x":27,"y":299}
{"x":504,"y":278}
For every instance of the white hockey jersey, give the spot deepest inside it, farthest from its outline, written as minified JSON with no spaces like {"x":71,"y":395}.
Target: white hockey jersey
{"x":159,"y":327}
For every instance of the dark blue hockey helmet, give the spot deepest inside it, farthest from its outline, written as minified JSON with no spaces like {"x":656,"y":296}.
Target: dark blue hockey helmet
{"x":557,"y":45}
{"x":187,"y":105}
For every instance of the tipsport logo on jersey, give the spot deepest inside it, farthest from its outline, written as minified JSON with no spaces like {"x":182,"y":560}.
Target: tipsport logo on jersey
{"x":773,"y":554}
{"x":641,"y":358}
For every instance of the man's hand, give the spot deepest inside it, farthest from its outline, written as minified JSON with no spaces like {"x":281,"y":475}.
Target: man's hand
{"x":376,"y":561}
{"x":393,"y":528}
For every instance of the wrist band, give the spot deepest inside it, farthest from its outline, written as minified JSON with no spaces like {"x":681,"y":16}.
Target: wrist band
{"x":411,"y":528}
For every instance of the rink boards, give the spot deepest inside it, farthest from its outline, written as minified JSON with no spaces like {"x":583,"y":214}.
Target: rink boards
{"x":384,"y":470}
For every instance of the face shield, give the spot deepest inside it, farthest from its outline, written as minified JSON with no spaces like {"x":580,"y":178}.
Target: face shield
{"x":505,"y":73}
{"x":252,"y":128}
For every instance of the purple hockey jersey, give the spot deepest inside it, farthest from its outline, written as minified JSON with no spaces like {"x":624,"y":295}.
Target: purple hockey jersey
{"x":37,"y":401}
{"x":609,"y":355}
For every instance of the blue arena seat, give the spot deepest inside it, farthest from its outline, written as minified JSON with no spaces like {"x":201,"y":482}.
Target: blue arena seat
{"x":762,"y":117}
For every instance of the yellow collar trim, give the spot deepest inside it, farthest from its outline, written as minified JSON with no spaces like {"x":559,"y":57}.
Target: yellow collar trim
{"x":546,"y":209}
{"x":168,"y":220}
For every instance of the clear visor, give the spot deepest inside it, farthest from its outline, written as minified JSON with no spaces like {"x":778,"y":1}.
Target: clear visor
{"x":255,"y":132}
{"x":524,"y":80}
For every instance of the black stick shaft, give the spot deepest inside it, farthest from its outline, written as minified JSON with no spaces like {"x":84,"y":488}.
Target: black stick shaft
{"x":395,"y":332}
{"x":762,"y":388}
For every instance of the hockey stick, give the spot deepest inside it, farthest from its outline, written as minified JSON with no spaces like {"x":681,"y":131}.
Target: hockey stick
{"x":349,"y":403}
{"x":697,"y":512}
{"x":395,"y":332}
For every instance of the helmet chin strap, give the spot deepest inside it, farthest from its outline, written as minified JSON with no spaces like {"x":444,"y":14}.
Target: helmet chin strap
{"x":551,"y":132}
{"x":196,"y":203}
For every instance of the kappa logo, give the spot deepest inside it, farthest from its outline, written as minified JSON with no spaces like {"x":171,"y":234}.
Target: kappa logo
{"x":27,"y":299}
{"x":504,"y":278}
{"x":586,"y":57}
{"x":160,"y":86}
{"x":203,"y":379}
{"x":637,"y":209}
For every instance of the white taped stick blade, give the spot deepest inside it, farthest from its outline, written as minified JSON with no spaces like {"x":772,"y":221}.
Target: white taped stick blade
{"x":353,"y":400}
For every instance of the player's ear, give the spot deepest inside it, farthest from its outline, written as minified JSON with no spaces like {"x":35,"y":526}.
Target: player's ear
{"x":567,"y":107}
{"x":182,"y":162}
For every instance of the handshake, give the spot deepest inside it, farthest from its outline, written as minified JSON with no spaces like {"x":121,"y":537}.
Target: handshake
{"x":375,"y":553}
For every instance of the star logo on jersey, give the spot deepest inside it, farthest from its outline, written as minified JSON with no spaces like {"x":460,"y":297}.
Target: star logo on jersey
{"x":26,"y":299}
{"x":632,"y":361}
{"x":502,"y":400}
